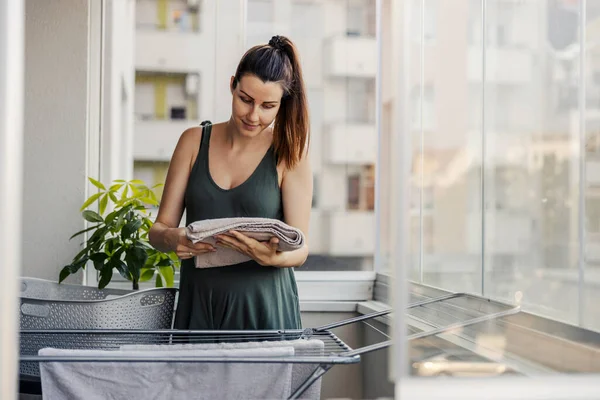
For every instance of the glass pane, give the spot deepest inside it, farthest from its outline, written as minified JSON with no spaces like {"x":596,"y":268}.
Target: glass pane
{"x":449,"y":94}
{"x":497,"y":121}
{"x":338,"y":53}
{"x":591,"y":296}
{"x":420,"y":215}
{"x":531,"y":157}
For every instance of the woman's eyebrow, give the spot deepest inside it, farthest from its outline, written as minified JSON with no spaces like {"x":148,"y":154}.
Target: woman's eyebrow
{"x":252,"y":98}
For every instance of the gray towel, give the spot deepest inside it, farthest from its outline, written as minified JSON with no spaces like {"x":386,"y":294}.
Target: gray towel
{"x":160,"y":380}
{"x":300,"y":372}
{"x":261,"y":229}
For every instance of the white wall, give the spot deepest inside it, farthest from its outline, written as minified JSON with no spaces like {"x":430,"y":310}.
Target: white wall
{"x":55,"y":141}
{"x":158,"y":50}
{"x":156,"y":140}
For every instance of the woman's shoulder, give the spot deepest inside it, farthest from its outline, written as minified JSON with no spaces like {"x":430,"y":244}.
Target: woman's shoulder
{"x":195,"y":133}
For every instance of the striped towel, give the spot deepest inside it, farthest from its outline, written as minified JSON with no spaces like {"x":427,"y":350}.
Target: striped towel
{"x":261,"y":229}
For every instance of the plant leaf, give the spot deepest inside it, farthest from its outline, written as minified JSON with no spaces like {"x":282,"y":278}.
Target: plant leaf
{"x":83,"y":231}
{"x":92,"y":216}
{"x":64,"y":273}
{"x":147,"y":274}
{"x":121,"y":217}
{"x":165,"y":262}
{"x":113,"y":245}
{"x":137,"y":182}
{"x":130,"y":228}
{"x":146,"y":246}
{"x":135,"y":257}
{"x":81,"y":253}
{"x":148,"y":223}
{"x":97,"y":184}
{"x":98,"y":259}
{"x":76,"y":266}
{"x":115,"y":187}
{"x":125,"y":193}
{"x":113,"y":197}
{"x":159,"y":282}
{"x":105,"y":276}
{"x":103,"y":203}
{"x":89,"y":201}
{"x":116,"y":263}
{"x":135,"y":191}
{"x":149,"y":200}
{"x":110,"y":217}
{"x":119,"y":180}
{"x":98,"y":237}
{"x":168,"y":274}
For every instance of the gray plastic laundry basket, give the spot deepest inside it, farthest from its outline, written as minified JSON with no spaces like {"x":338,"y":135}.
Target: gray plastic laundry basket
{"x":46,"y":305}
{"x":34,"y":288}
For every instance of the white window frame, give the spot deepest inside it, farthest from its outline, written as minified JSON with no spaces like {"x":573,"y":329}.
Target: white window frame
{"x":12,"y":56}
{"x":95,"y":109}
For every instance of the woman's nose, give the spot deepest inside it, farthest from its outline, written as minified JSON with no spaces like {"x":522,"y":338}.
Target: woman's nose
{"x":253,"y":116}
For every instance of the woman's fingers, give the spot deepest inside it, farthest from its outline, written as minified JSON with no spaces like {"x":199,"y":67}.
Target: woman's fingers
{"x":203,"y":247}
{"x":189,"y":250}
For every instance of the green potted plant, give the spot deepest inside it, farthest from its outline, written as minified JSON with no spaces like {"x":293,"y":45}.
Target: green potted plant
{"x":119,"y":240}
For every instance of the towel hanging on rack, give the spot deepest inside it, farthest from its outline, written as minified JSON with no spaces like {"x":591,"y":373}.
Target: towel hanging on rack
{"x":89,"y":380}
{"x":261,"y":229}
{"x":300,"y":371}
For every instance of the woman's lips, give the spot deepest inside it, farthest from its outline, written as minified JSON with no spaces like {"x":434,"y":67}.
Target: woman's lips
{"x":249,"y":127}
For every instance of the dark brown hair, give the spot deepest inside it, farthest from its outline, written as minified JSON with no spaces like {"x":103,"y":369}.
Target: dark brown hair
{"x":279,"y":62}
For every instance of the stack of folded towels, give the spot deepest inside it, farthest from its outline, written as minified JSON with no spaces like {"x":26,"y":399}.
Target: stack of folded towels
{"x":261,"y":229}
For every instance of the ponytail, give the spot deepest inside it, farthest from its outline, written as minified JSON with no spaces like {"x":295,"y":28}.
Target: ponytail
{"x":279,"y":62}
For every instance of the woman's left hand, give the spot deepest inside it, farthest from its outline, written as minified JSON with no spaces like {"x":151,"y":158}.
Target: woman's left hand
{"x":264,"y":253}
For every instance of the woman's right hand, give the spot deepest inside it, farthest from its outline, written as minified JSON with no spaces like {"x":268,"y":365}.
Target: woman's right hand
{"x":184,"y":247}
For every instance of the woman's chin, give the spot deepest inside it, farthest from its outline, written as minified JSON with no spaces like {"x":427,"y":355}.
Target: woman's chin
{"x":250,"y":128}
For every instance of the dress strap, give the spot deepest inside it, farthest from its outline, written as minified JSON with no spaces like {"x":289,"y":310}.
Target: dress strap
{"x":206,"y":129}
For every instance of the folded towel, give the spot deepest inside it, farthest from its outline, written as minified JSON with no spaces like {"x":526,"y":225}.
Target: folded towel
{"x":300,"y":372}
{"x":161,"y":380}
{"x":261,"y":229}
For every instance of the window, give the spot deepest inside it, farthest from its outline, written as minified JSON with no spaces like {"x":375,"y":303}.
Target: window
{"x":424,"y":14}
{"x":503,"y":168}
{"x":171,"y":15}
{"x":424,"y":109}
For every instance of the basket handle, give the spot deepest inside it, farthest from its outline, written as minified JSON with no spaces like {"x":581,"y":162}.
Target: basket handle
{"x":152,"y":300}
{"x":34,"y":309}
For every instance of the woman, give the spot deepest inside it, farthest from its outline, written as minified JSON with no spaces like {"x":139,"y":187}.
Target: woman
{"x":254,"y":165}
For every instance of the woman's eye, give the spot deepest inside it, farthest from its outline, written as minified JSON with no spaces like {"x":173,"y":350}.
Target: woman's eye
{"x":268,"y":107}
{"x":246,"y":100}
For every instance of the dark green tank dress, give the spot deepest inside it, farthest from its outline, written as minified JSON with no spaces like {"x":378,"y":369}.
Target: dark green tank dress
{"x":242,"y":296}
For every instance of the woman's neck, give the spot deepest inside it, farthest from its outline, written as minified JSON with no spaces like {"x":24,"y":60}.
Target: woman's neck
{"x":234,"y":140}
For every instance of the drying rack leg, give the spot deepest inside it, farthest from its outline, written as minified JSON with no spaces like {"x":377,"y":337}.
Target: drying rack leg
{"x":317,"y":373}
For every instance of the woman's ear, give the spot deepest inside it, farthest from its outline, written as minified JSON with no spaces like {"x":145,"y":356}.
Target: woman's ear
{"x":231,"y":81}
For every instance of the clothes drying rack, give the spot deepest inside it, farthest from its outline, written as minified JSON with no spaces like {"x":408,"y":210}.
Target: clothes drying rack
{"x":335,"y":351}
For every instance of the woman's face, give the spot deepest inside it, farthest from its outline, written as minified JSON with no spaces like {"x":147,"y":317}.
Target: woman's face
{"x":255,"y":104}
